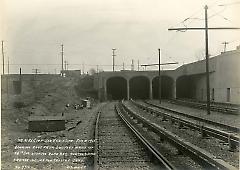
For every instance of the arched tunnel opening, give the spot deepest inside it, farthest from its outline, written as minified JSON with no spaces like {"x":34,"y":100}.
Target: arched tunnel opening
{"x":116,"y":88}
{"x":185,"y":87}
{"x":139,"y":87}
{"x":166,"y":87}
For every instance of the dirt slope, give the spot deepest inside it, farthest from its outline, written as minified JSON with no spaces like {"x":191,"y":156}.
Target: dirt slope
{"x":43,"y":97}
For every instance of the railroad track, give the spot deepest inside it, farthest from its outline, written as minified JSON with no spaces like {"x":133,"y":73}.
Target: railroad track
{"x":218,"y":107}
{"x":220,"y":125}
{"x":120,"y":146}
{"x":227,"y":133}
{"x":204,"y":158}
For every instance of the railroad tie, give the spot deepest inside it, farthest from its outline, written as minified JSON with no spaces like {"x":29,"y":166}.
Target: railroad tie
{"x":231,"y":145}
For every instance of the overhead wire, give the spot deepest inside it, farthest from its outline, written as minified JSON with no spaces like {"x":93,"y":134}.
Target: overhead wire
{"x":217,"y":13}
{"x":228,"y":4}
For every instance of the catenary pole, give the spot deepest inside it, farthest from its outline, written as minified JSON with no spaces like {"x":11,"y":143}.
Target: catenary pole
{"x":206,"y":28}
{"x":207,"y":60}
{"x":159,"y":76}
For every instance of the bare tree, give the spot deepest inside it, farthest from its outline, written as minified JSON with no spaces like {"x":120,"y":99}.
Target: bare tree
{"x":92,"y":71}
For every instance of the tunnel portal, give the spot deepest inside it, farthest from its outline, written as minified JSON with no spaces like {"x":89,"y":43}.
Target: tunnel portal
{"x":166,"y":87}
{"x":116,"y":88}
{"x":139,"y":87}
{"x":185,"y":87}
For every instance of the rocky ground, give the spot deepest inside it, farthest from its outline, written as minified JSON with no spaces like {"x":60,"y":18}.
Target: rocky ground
{"x":46,"y":98}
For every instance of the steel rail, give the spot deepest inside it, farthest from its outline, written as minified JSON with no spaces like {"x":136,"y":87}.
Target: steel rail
{"x":165,"y":163}
{"x":145,"y":142}
{"x":95,"y":161}
{"x":228,"y":127}
{"x":201,"y":156}
{"x":201,"y":105}
{"x":222,"y":135}
{"x":230,"y":138}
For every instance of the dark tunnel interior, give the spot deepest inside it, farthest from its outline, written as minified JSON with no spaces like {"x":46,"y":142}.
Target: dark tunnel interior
{"x":116,"y":88}
{"x":139,"y":87}
{"x":185,"y":87}
{"x":166,"y":87}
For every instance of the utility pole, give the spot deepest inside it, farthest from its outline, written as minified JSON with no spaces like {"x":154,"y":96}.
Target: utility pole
{"x":132,"y":65}
{"x":20,"y":74}
{"x":207,"y":61}
{"x":36,"y":71}
{"x":113,"y":55}
{"x":159,"y":76}
{"x":3,"y":57}
{"x":8,"y":66}
{"x":225,"y":46}
{"x":8,"y":80}
{"x":62,"y":56}
{"x":206,"y":28}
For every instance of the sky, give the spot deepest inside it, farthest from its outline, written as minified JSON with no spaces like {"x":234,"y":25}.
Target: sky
{"x":33,"y":31}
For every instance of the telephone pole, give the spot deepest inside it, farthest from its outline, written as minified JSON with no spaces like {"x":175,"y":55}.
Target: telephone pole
{"x":62,"y":56}
{"x":225,"y":46}
{"x":3,"y":57}
{"x":8,"y":66}
{"x":206,"y":28}
{"x":8,"y":79}
{"x":36,"y":70}
{"x":113,"y":55}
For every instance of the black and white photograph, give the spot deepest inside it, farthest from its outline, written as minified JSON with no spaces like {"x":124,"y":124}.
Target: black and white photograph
{"x":120,"y":84}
